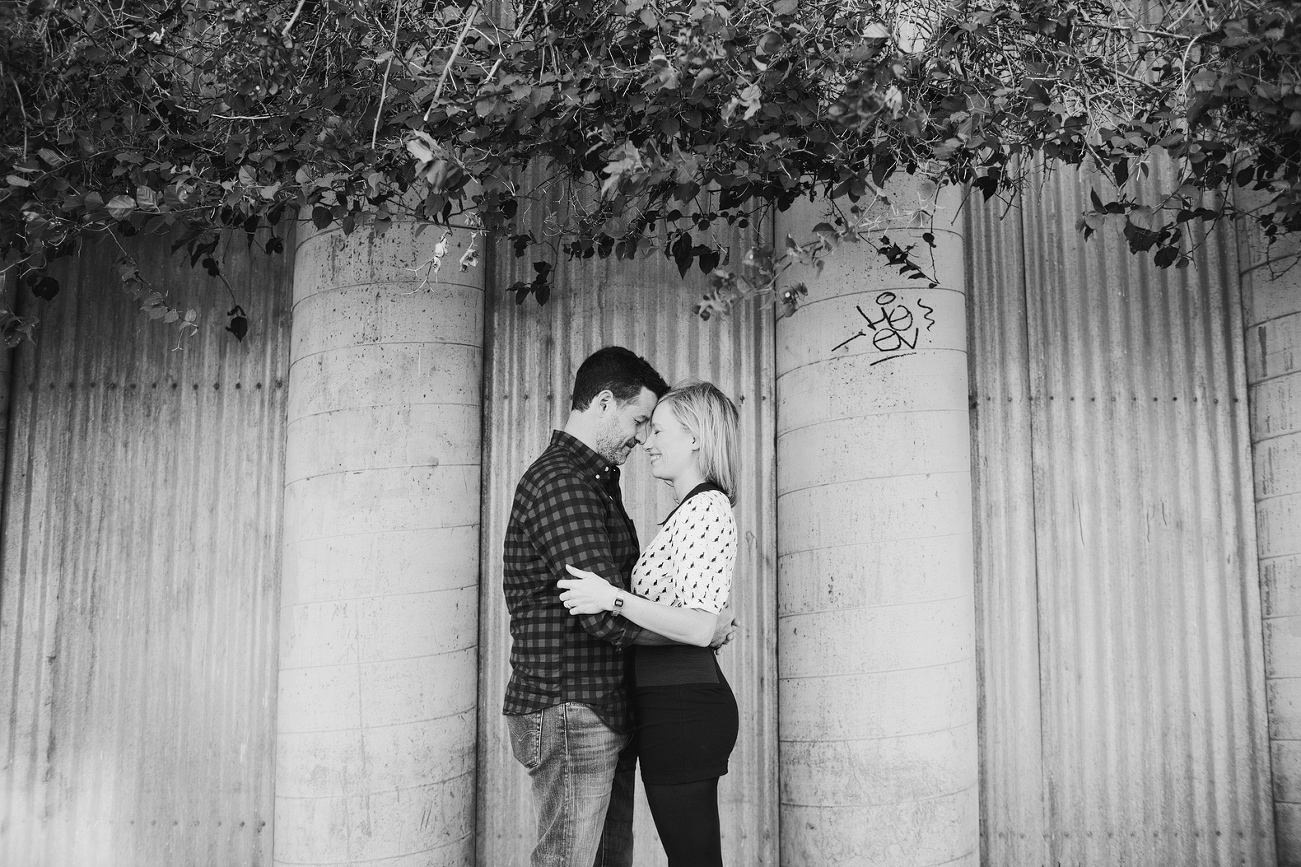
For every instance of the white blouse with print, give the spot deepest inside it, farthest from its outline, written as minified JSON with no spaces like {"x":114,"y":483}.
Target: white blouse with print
{"x":689,"y":562}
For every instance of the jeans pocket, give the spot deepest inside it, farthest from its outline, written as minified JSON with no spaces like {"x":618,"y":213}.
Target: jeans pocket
{"x":526,"y":738}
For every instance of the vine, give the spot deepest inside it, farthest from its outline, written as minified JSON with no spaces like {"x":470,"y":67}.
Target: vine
{"x":654,"y":121}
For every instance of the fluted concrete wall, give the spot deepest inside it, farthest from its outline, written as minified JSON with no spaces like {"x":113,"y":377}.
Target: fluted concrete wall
{"x":1271,"y":284}
{"x":876,"y":660}
{"x":8,"y":296}
{"x":377,"y":694}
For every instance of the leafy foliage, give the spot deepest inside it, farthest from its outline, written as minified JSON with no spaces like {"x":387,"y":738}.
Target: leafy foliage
{"x":655,"y":120}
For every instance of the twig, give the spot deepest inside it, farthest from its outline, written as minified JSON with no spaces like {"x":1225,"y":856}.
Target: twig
{"x":383,"y":91}
{"x":292,"y":18}
{"x":1183,"y":67}
{"x":1144,"y":30}
{"x":22,"y":109}
{"x":456,"y":49}
{"x":222,"y":277}
{"x":230,"y":116}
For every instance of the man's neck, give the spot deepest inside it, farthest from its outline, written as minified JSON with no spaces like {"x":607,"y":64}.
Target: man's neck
{"x":578,"y":428}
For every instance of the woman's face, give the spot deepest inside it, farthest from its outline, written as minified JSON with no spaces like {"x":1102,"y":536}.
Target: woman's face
{"x":671,"y":447}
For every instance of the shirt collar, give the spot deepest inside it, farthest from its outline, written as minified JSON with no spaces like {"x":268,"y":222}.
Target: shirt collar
{"x":587,"y":459}
{"x":698,"y":489}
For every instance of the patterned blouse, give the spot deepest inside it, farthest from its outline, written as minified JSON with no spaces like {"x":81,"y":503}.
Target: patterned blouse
{"x":689,"y":563}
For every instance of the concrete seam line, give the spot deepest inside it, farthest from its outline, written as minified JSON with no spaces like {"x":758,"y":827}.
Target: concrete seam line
{"x":821,"y":741}
{"x":379,"y":533}
{"x":882,"y":542}
{"x":791,"y":491}
{"x":460,"y":588}
{"x":803,"y":677}
{"x":888,"y":287}
{"x":296,"y":419}
{"x":874,"y":543}
{"x":380,"y":596}
{"x":917,"y":800}
{"x":799,"y":367}
{"x":351,"y":663}
{"x":1286,"y":433}
{"x":781,"y":616}
{"x":1267,"y":497}
{"x":386,"y":859}
{"x":785,"y":678}
{"x":780,"y":557}
{"x":373,"y":726}
{"x":1280,"y":316}
{"x":1280,"y":617}
{"x":327,"y":473}
{"x":349,"y":410}
{"x":964,"y":411}
{"x":376,"y":284}
{"x":382,"y":343}
{"x":1277,"y":557}
{"x":373,"y":794}
{"x":960,"y":858}
{"x":1253,"y":383}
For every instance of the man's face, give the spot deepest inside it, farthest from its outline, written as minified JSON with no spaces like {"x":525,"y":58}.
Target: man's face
{"x":625,"y":426}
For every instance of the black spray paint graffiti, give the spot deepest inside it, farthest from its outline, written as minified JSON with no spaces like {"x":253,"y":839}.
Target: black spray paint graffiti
{"x":895,"y":331}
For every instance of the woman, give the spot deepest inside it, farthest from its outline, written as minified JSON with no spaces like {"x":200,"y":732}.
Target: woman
{"x":685,"y":711}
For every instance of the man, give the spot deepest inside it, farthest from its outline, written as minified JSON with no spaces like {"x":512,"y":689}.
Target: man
{"x":567,"y":704}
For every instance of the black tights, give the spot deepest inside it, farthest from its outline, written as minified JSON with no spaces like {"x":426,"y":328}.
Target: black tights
{"x":686,"y":816}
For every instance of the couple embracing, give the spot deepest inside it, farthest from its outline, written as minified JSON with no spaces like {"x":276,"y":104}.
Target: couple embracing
{"x":612,"y":657}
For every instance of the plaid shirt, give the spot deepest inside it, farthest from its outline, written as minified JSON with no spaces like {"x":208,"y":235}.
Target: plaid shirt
{"x":568,"y":509}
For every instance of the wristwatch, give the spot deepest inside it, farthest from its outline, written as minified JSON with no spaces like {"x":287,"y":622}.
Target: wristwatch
{"x":618,"y":602}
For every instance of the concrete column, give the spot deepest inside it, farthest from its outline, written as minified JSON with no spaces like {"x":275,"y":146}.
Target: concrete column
{"x":1271,"y":297}
{"x":376,"y":721}
{"x":876,"y":658}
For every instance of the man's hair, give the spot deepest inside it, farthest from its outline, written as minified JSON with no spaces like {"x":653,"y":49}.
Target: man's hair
{"x":621,"y":371}
{"x":713,"y":420}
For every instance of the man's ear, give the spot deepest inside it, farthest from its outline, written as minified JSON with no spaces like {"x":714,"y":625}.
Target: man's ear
{"x":604,"y":401}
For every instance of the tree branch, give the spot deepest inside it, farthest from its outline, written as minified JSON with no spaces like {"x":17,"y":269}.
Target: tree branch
{"x":289,"y":25}
{"x":22,"y":109}
{"x":451,"y":58}
{"x":383,"y":91}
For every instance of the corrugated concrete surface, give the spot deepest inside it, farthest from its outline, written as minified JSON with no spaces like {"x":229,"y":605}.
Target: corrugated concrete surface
{"x":140,"y":571}
{"x":532,"y":353}
{"x":1123,"y":713}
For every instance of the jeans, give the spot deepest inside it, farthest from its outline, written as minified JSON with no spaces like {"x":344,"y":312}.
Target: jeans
{"x":582,"y":775}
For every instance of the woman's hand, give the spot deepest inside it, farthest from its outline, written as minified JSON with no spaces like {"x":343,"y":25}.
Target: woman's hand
{"x":587,"y":592}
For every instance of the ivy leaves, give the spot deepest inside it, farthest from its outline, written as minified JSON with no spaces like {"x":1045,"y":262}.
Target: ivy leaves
{"x":655,"y":123}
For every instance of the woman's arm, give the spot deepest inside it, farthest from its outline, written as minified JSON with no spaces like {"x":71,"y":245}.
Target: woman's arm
{"x":589,"y":593}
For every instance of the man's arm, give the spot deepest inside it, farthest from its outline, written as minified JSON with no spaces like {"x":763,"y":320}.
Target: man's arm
{"x":568,"y":527}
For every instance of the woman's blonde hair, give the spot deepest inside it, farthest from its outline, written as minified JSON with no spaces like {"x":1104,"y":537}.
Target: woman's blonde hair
{"x":713,"y":420}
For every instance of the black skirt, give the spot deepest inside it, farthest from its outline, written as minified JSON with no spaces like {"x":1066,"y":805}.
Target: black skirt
{"x":685,"y":731}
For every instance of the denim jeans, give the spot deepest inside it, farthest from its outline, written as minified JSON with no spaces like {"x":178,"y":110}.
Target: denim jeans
{"x":582,"y":775}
